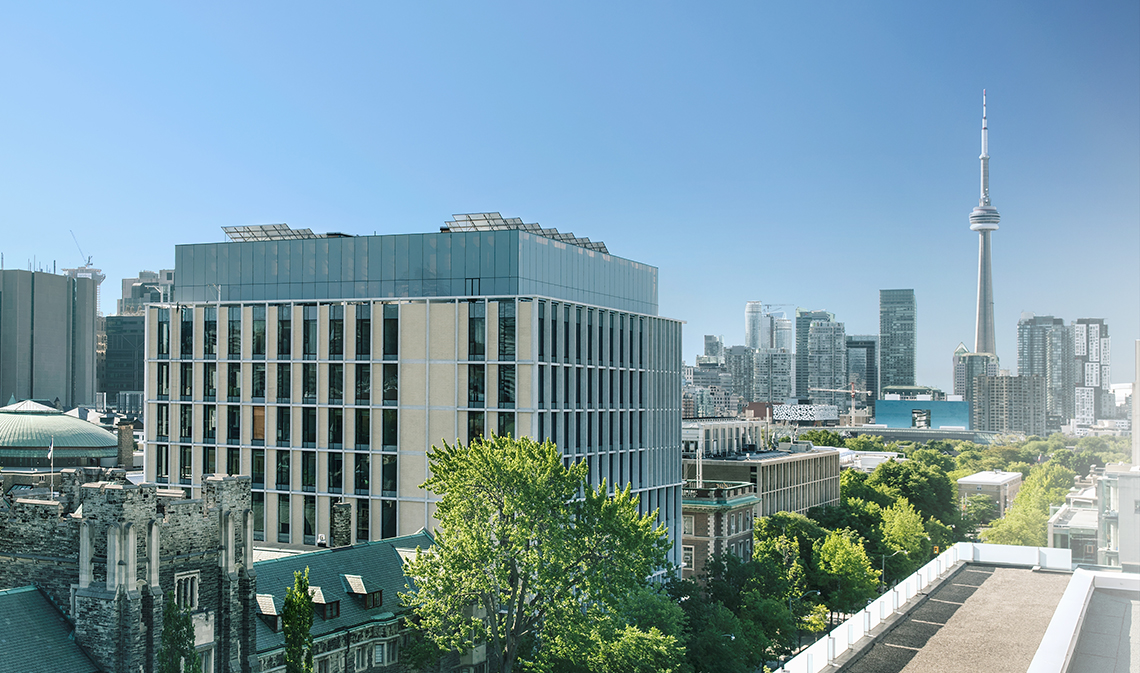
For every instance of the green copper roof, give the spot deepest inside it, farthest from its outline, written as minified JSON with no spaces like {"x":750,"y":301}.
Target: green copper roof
{"x":29,"y":425}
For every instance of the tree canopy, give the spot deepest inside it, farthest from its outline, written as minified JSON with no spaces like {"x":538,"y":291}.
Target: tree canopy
{"x":176,"y":654}
{"x":530,"y":560}
{"x":296,"y":622}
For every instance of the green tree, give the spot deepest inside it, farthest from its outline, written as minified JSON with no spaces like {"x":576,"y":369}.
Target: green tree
{"x":525,"y":551}
{"x":822,"y":438}
{"x":980,"y":510}
{"x":903,"y":530}
{"x":850,"y":579}
{"x":865,"y":443}
{"x":296,"y":622}
{"x":925,"y":486}
{"x":632,"y":650}
{"x":177,"y":640}
{"x":1026,"y":520}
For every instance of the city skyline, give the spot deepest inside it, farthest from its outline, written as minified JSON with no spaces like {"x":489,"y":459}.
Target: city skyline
{"x":749,"y":153}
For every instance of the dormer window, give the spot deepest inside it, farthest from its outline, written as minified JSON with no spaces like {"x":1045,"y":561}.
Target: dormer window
{"x":373,"y":599}
{"x":269,"y":610}
{"x":329,"y":610}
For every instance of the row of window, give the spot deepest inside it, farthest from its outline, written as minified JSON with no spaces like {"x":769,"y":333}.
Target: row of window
{"x":589,"y":387}
{"x":360,"y":469}
{"x":232,"y":375}
{"x":605,"y":336}
{"x":260,"y":499}
{"x":230,"y":417}
{"x":231,"y":346}
{"x":617,"y":430}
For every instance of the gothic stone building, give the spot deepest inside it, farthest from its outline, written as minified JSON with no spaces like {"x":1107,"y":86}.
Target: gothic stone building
{"x":107,"y":551}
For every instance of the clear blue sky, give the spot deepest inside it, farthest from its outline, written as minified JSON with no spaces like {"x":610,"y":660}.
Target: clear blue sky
{"x":792,"y":153}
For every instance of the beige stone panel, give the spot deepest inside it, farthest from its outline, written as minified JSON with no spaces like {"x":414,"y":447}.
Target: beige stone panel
{"x":442,"y":426}
{"x":492,"y":330}
{"x":322,"y":477}
{"x":199,"y":332}
{"x":295,"y":376}
{"x":492,"y":385}
{"x":412,"y":429}
{"x":413,"y":327}
{"x":376,"y":423}
{"x":461,"y":317}
{"x":322,"y":331}
{"x":524,"y":387}
{"x":441,"y":382}
{"x":412,"y":385}
{"x":377,"y":330}
{"x":349,"y":332}
{"x":271,"y":329}
{"x":412,"y":472}
{"x":523,"y":330}
{"x":461,"y":385}
{"x":523,"y":425}
{"x":270,"y":381}
{"x":443,"y":334}
{"x":410,"y":516}
{"x":323,"y":382}
{"x":246,"y":332}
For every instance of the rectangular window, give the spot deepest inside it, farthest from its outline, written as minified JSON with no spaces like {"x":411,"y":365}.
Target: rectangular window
{"x":309,"y":471}
{"x":186,"y":334}
{"x":233,"y":425}
{"x":163,"y":387}
{"x":233,"y":462}
{"x":258,"y":392}
{"x":209,"y":424}
{"x":387,"y":519}
{"x":388,"y":476}
{"x":209,"y":455}
{"x":161,"y":463}
{"x":363,"y":331}
{"x":611,"y":340}
{"x":283,"y":518}
{"x":362,"y":522}
{"x":363,"y":430}
{"x":336,"y":428}
{"x":186,"y":590}
{"x":475,"y":421}
{"x":258,"y":332}
{"x":378,"y":654}
{"x":257,"y":499}
{"x":391,"y":331}
{"x":566,"y":333}
{"x":542,"y":331}
{"x":361,"y":474}
{"x":476,"y":330}
{"x":687,"y":528}
{"x":336,"y":472}
{"x":578,"y":336}
{"x":210,"y":381}
{"x":162,"y":421}
{"x":309,"y":384}
{"x":309,"y":517}
{"x":476,"y":385}
{"x":363,"y":384}
{"x":283,"y":434}
{"x":590,"y":336}
{"x":210,"y":333}
{"x":284,"y":382}
{"x":553,"y":332}
{"x":507,"y":329}
{"x":309,"y":332}
{"x":506,"y":424}
{"x":185,"y":465}
{"x":233,"y":314}
{"x":283,"y":472}
{"x":186,"y":422}
{"x":233,"y":382}
{"x":336,"y":384}
{"x":186,"y":381}
{"x":163,"y":333}
{"x":257,"y":471}
{"x":309,"y":427}
{"x":336,"y":332}
{"x":621,"y":340}
{"x":391,"y":390}
{"x":389,"y":430}
{"x":506,"y":387}
{"x":284,"y":332}
{"x":542,"y":387}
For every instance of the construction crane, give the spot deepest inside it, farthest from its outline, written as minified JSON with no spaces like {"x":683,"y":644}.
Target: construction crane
{"x":842,"y":390}
{"x":86,"y":257}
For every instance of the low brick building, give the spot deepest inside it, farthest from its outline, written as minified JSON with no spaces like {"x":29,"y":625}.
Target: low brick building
{"x":716,"y":519}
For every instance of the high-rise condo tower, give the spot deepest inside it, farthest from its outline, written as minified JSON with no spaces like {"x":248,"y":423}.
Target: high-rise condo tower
{"x":984,"y":219}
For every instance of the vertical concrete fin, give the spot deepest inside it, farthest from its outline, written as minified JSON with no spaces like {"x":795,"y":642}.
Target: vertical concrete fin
{"x":152,"y":549}
{"x":85,"y":573}
{"x":113,"y":557}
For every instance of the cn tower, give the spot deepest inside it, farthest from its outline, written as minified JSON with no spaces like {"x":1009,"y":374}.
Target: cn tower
{"x":984,"y":219}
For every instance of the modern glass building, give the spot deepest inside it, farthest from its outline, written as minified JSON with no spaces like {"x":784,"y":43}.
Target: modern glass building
{"x":898,"y":327}
{"x":327,"y":366}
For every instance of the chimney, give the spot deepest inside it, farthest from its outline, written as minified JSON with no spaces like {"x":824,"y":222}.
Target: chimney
{"x":126,"y":445}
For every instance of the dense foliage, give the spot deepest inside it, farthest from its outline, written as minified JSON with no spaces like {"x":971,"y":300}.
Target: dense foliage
{"x":296,"y":622}
{"x":176,"y":655}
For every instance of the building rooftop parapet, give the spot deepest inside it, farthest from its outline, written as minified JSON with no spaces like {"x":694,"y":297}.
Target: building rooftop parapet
{"x":496,"y":222}
{"x":731,"y":493}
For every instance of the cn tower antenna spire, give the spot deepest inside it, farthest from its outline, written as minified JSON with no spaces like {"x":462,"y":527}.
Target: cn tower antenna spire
{"x":984,"y":220}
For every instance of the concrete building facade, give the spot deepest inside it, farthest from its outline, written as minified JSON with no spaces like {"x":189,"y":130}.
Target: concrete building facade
{"x":47,"y":337}
{"x":1009,"y":404}
{"x":1000,"y":487}
{"x":1092,"y":348}
{"x":1045,"y":347}
{"x":827,"y":364}
{"x":803,"y":323}
{"x":717,"y":519}
{"x":326,"y":367}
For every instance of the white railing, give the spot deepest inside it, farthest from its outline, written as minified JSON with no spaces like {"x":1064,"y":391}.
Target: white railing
{"x":824,"y":651}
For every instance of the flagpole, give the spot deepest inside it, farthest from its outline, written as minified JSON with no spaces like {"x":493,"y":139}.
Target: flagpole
{"x":51,"y":475}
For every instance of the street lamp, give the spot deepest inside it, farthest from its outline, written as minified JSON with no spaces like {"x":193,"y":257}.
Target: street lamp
{"x":802,"y":596}
{"x":883,"y":567}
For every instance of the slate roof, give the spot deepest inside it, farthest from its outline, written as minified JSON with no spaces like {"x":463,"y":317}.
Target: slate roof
{"x":27,"y":429}
{"x":378,"y":564}
{"x":36,"y":638}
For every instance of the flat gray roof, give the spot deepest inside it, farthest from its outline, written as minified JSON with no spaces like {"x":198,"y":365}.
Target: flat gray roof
{"x":982,"y":618}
